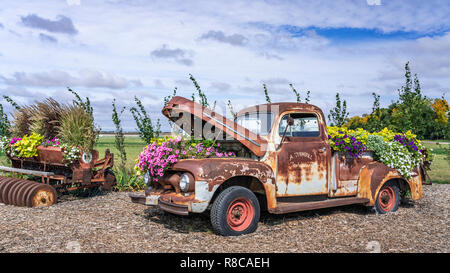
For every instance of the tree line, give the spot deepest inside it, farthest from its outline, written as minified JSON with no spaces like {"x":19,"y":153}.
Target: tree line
{"x":426,"y":117}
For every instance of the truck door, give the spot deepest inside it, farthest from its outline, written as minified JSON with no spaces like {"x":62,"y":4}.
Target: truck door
{"x":302,"y":158}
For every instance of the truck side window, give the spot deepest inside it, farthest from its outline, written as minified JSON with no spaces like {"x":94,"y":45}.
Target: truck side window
{"x":305,"y":125}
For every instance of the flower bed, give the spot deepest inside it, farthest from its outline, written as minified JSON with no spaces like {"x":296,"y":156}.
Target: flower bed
{"x":400,"y":151}
{"x":162,"y":153}
{"x":35,"y":146}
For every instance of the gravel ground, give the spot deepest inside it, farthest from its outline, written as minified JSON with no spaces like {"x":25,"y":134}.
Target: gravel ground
{"x":111,"y":223}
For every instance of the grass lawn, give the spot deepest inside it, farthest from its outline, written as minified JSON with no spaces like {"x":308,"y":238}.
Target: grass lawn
{"x":440,"y":168}
{"x":133,"y":145}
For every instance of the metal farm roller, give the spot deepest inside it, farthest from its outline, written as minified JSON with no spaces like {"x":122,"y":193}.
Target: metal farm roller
{"x":20,"y":192}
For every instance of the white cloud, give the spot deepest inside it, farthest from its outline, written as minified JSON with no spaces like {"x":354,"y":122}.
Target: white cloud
{"x":58,"y":78}
{"x":73,"y":2}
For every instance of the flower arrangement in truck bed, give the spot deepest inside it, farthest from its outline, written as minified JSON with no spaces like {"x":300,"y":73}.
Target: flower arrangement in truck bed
{"x":27,"y":147}
{"x":401,"y":151}
{"x":162,"y":153}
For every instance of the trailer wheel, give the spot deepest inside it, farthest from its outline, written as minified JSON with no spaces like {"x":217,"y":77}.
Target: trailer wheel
{"x":235,"y":212}
{"x":388,"y":198}
{"x":110,"y":180}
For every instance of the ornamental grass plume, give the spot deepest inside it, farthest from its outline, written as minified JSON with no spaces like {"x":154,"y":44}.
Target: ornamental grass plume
{"x":45,"y":117}
{"x":77,"y":128}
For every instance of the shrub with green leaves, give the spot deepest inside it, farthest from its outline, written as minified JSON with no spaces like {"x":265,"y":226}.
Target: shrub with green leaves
{"x":128,"y":180}
{"x":376,"y":144}
{"x":4,"y":123}
{"x":147,"y":130}
{"x":119,"y":138}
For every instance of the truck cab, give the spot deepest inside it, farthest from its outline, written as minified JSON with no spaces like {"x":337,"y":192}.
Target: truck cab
{"x":284,"y":164}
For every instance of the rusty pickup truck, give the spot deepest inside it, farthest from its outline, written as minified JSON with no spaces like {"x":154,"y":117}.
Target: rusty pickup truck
{"x":284,"y":164}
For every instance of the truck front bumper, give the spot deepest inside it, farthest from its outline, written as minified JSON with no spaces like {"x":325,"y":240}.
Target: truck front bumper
{"x":156,"y":200}
{"x":178,"y":203}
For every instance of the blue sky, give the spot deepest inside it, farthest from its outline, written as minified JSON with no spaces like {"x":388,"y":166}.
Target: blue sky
{"x":108,"y":49}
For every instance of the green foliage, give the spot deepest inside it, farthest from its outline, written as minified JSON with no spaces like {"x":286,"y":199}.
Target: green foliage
{"x":4,"y":123}
{"x":12,"y":102}
{"x":27,"y":146}
{"x":86,"y":105}
{"x":168,"y":98}
{"x":376,"y":144}
{"x":374,"y":123}
{"x":77,"y":128}
{"x":266,"y":93}
{"x":231,"y":109}
{"x":128,"y":180}
{"x":307,"y":99}
{"x":338,"y":115}
{"x":203,"y":98}
{"x":146,"y":129}
{"x":427,"y":118}
{"x":119,"y":136}
{"x":297,"y":95}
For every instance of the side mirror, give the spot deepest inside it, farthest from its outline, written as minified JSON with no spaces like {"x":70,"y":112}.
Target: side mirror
{"x":290,"y":122}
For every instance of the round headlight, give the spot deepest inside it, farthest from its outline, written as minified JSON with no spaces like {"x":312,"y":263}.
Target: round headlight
{"x":184,"y":182}
{"x":87,"y":157}
{"x":147,"y":178}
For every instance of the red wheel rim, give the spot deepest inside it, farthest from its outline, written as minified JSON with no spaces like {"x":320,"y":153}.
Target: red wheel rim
{"x":386,"y":199}
{"x":240,"y":214}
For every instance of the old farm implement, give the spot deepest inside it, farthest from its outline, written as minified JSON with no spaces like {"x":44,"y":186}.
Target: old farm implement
{"x":36,"y":181}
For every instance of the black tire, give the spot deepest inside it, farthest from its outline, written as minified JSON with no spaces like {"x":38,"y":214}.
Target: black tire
{"x":110,"y":181}
{"x":228,"y":208}
{"x":388,"y":198}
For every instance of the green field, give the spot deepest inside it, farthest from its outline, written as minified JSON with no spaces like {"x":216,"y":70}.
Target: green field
{"x":440,"y":169}
{"x":133,"y":144}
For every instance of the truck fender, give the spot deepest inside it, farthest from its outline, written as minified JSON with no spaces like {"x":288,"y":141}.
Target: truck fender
{"x":373,"y":176}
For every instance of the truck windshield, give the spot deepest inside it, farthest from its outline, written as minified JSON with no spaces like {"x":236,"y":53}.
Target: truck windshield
{"x":258,"y":123}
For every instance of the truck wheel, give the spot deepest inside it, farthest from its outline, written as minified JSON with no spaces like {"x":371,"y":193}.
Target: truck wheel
{"x":235,"y":212}
{"x":388,"y":198}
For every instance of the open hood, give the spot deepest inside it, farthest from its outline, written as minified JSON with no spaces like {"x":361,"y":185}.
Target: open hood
{"x":199,"y":121}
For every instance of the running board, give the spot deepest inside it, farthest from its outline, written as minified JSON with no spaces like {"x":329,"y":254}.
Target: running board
{"x":286,"y":207}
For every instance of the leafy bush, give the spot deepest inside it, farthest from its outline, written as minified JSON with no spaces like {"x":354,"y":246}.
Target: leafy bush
{"x":146,"y":129}
{"x":119,"y":138}
{"x":4,"y":123}
{"x":128,"y":180}
{"x":375,"y":143}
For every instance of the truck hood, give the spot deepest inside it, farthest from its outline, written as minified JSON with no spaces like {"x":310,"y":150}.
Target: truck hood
{"x":201,"y":122}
